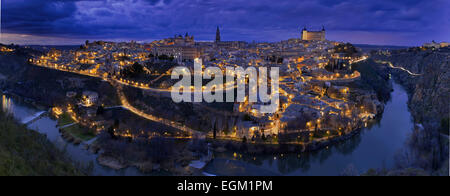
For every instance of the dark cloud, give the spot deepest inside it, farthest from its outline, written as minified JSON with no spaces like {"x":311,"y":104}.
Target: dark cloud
{"x":401,"y":22}
{"x":34,"y":17}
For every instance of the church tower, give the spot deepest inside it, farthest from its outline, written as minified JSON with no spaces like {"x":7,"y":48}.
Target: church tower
{"x":218,"y":35}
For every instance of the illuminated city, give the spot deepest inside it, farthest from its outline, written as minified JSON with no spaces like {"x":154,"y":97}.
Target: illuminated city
{"x":352,"y":99}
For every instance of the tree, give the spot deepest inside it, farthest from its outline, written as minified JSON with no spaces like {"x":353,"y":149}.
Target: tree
{"x":247,"y":117}
{"x":137,"y":68}
{"x":116,"y":124}
{"x":215,"y":131}
{"x":163,"y":57}
{"x":100,"y":110}
{"x":280,"y":60}
{"x":111,"y":132}
{"x":133,"y":71}
{"x":445,"y":125}
{"x":348,"y":49}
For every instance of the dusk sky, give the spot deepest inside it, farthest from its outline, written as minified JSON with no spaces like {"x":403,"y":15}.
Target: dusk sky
{"x":381,"y":22}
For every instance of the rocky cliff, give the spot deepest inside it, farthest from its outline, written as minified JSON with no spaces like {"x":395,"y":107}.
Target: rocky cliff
{"x":424,"y":73}
{"x":429,"y":92}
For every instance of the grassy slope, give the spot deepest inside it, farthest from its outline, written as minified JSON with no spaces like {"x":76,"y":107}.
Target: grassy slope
{"x":27,"y":153}
{"x":82,"y":133}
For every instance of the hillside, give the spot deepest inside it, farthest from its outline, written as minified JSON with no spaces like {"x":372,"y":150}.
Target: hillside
{"x":429,"y":93}
{"x":428,"y":90}
{"x":27,"y":153}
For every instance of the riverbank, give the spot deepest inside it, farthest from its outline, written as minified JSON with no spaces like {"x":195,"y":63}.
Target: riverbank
{"x":24,"y":152}
{"x":284,"y":148}
{"x":428,"y":88}
{"x":370,"y":147}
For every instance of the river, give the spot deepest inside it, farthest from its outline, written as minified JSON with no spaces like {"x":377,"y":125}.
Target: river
{"x":374,"y":147}
{"x":47,"y":126}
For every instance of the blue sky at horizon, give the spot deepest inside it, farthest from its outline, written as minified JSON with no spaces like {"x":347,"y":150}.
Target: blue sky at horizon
{"x":67,"y":22}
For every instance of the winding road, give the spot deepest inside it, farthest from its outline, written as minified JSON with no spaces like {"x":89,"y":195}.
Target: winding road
{"x":400,"y":68}
{"x":126,"y":105}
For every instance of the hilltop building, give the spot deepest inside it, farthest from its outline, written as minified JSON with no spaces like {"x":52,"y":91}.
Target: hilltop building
{"x":179,"y":47}
{"x":227,"y":44}
{"x":180,"y":53}
{"x":434,"y":44}
{"x":186,"y":41}
{"x":313,"y":35}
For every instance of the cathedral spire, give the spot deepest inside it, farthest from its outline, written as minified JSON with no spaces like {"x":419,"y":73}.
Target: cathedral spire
{"x":218,"y":35}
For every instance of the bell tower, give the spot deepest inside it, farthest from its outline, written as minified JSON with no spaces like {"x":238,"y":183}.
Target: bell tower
{"x":218,"y":35}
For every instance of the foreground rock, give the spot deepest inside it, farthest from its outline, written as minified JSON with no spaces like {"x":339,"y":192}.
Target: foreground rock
{"x":110,"y":162}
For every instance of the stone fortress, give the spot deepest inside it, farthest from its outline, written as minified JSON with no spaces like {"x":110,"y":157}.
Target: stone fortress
{"x":313,"y":35}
